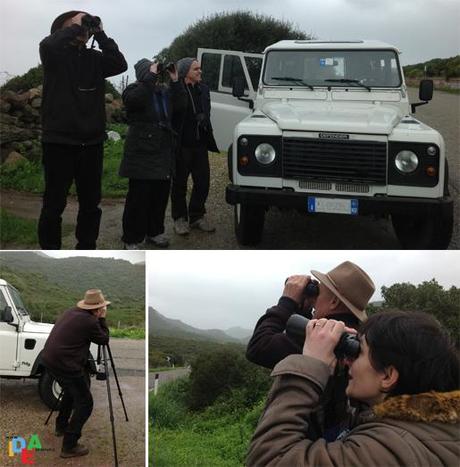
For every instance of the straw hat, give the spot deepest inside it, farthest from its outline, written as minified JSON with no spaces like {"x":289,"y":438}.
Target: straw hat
{"x":351,"y":285}
{"x":93,"y":300}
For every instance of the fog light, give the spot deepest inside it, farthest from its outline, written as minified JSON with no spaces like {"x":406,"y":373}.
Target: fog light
{"x":406,"y":161}
{"x":265,"y":153}
{"x":431,"y":151}
{"x":244,"y":160}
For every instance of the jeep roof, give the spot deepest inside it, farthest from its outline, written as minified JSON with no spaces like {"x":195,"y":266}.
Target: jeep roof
{"x":3,"y":282}
{"x":315,"y":44}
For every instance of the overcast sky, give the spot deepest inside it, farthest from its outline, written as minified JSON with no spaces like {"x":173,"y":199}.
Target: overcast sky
{"x":422,"y":29}
{"x":222,"y":289}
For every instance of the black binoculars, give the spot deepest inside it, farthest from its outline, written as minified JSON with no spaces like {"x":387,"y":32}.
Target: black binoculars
{"x":311,"y":289}
{"x":162,"y":68}
{"x":347,"y":347}
{"x":91,"y":23}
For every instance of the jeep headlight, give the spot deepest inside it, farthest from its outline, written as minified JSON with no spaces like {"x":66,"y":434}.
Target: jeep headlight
{"x":265,"y":153}
{"x":406,"y":161}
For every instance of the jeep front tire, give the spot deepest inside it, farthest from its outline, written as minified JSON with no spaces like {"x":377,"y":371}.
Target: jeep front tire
{"x":49,"y":390}
{"x":249,"y":223}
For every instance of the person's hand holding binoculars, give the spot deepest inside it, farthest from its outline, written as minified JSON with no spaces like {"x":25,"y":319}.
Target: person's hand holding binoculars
{"x":102,"y":312}
{"x":294,"y":288}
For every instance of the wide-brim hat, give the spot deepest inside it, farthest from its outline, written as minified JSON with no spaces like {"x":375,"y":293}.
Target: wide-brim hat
{"x":93,"y":300}
{"x":62,"y":18}
{"x":351,"y":285}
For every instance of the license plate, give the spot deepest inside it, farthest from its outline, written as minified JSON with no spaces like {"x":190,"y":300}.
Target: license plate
{"x":333,"y":205}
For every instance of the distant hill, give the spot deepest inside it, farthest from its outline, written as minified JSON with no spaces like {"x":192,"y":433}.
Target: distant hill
{"x":239,"y":333}
{"x":49,"y":286}
{"x":160,"y":325}
{"x":437,"y":67}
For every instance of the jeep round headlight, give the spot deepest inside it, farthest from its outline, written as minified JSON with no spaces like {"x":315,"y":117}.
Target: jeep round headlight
{"x":265,"y":153}
{"x":406,"y":161}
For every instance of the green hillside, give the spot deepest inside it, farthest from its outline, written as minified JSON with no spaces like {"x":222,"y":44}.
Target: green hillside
{"x":49,"y":286}
{"x":437,"y":67}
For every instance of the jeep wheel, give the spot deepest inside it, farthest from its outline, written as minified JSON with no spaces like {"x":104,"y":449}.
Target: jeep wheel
{"x":249,"y":223}
{"x":431,"y":230}
{"x":49,"y":390}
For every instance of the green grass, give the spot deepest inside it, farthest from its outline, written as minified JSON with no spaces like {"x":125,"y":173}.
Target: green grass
{"x":17,"y":230}
{"x":130,"y":333}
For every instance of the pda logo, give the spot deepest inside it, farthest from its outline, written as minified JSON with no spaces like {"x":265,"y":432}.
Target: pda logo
{"x":25,"y":449}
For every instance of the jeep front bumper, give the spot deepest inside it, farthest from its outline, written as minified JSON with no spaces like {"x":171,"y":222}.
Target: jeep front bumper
{"x":381,"y":204}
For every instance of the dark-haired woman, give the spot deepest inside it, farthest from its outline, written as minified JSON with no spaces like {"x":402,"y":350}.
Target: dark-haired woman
{"x":407,"y":374}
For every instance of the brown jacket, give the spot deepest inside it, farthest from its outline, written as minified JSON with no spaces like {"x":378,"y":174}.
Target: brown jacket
{"x":418,"y":430}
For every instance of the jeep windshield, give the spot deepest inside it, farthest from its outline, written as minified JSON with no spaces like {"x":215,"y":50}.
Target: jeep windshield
{"x":333,"y":68}
{"x":18,"y":303}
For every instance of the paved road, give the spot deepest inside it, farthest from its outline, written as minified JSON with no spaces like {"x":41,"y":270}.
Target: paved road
{"x":23,"y":414}
{"x":283,"y":230}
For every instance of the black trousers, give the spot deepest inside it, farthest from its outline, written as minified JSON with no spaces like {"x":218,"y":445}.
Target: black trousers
{"x":194,"y":161}
{"x":145,"y":207}
{"x":62,"y":165}
{"x":76,"y":407}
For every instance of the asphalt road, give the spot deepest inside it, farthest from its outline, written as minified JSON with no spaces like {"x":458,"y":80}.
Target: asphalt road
{"x":23,"y":414}
{"x":164,"y":376}
{"x":283,"y":230}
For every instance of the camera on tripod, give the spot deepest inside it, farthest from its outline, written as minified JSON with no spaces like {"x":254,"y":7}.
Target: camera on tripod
{"x":100,"y":374}
{"x":91,"y":23}
{"x":347,"y":347}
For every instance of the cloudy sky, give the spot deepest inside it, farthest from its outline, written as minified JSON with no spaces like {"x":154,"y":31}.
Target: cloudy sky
{"x":422,"y":29}
{"x":222,"y":289}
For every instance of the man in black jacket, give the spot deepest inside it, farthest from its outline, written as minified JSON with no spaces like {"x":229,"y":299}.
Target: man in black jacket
{"x":65,"y":356}
{"x":343,"y":295}
{"x":73,"y":124}
{"x":196,"y":139}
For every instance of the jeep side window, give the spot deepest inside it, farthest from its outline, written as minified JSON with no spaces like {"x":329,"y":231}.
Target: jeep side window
{"x":18,"y":303}
{"x":3,"y":305}
{"x":254,"y":66}
{"x":210,"y":65}
{"x":232,"y":69}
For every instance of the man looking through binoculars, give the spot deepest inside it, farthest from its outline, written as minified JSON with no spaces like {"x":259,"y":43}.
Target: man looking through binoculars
{"x":65,"y":356}
{"x":341,"y":294}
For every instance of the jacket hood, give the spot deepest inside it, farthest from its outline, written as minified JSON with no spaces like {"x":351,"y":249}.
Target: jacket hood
{"x":425,"y":407}
{"x":333,"y":116}
{"x":142,"y":68}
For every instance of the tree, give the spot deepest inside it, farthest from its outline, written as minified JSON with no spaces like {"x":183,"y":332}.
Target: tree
{"x":241,"y":30}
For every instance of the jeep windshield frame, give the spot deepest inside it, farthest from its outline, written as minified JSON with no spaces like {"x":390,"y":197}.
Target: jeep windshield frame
{"x":17,"y":300}
{"x":348,"y":68}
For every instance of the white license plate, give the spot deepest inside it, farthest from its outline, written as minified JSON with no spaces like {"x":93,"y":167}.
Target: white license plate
{"x":333,"y":205}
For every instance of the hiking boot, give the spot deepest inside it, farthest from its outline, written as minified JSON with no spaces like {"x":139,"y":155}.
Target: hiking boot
{"x":76,"y":451}
{"x":202,"y":224}
{"x":181,"y":226}
{"x":160,"y":240}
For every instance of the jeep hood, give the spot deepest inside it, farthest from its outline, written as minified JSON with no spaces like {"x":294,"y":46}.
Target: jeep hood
{"x":333,"y":116}
{"x":43,"y":328}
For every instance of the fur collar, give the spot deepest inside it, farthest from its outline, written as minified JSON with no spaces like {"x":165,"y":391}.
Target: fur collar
{"x":425,"y":407}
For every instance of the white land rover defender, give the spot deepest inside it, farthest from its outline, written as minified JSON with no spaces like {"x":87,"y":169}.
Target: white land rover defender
{"x":327,"y":127}
{"x":22,"y":341}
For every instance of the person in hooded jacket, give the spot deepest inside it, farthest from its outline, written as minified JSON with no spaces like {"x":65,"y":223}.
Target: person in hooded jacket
{"x":148,"y":159}
{"x":73,"y":124}
{"x":408,"y":375}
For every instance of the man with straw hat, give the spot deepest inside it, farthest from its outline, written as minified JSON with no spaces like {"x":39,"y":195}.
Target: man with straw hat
{"x":65,"y":356}
{"x":342,"y":294}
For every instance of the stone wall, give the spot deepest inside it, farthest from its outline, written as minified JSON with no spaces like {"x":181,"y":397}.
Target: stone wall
{"x":20,"y":127}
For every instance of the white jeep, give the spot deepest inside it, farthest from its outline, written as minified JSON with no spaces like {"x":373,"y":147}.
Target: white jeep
{"x":327,"y":127}
{"x":22,"y":341}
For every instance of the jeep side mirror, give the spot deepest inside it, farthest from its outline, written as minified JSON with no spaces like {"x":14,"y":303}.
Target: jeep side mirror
{"x":425,"y":93}
{"x":238,"y":86}
{"x":7,"y":316}
{"x":238,"y":89}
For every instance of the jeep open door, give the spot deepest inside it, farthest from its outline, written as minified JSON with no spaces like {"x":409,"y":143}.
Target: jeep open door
{"x":8,"y":333}
{"x":220,"y":70}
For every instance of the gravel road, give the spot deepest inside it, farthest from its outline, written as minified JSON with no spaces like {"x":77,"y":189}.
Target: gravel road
{"x":23,"y":414}
{"x":283,"y":230}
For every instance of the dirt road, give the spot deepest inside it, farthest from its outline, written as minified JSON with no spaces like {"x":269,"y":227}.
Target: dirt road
{"x":283,"y":230}
{"x":23,"y":414}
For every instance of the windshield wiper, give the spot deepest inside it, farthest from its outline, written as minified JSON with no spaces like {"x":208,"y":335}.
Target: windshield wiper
{"x":353,"y":81}
{"x":294,"y":80}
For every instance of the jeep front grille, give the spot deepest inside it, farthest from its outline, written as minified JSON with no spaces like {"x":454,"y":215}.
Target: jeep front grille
{"x":344,"y":161}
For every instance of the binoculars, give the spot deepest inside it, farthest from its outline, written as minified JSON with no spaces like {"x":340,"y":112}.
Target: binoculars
{"x":91,"y":23}
{"x":347,"y":347}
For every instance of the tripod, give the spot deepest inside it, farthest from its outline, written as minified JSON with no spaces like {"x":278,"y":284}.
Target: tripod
{"x":101,"y":376}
